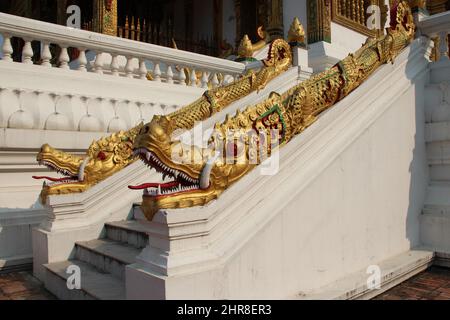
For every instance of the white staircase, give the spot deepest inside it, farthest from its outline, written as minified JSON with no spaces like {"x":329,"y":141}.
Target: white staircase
{"x":343,"y":183}
{"x":435,"y":219}
{"x":102,"y":263}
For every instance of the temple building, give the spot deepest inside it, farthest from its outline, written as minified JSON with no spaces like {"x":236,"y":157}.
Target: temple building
{"x":122,"y":157}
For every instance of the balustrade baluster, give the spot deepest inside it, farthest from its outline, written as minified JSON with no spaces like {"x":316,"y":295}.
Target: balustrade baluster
{"x":133,"y":34}
{"x":157,"y":72}
{"x":82,"y":60}
{"x":127,"y":28}
{"x":181,"y":77}
{"x":443,"y":46}
{"x":64,"y":58}
{"x":363,"y":14}
{"x":98,"y":64}
{"x":349,"y":9}
{"x":169,"y":74}
{"x":46,"y":55}
{"x":138,"y":30}
{"x":115,"y":65}
{"x":142,"y":69}
{"x":7,"y":48}
{"x":129,"y":67}
{"x":27,"y":52}
{"x":193,"y":78}
{"x":215,"y":80}
{"x":205,"y":79}
{"x":358,"y":20}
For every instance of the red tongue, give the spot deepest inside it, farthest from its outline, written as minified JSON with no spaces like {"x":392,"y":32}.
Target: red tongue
{"x":50,"y":178}
{"x":154,"y":185}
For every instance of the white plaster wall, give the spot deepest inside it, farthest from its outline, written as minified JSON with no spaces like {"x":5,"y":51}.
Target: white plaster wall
{"x":15,"y":236}
{"x":345,"y":38}
{"x":362,"y":209}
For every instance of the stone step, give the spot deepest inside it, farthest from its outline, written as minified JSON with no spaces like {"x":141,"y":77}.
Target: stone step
{"x":440,"y":172}
{"x":107,"y":255}
{"x":437,"y":199}
{"x":94,"y":284}
{"x":438,"y":131}
{"x":132,"y":232}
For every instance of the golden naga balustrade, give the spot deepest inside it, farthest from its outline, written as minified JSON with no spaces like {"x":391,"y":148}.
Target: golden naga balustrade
{"x":111,"y":154}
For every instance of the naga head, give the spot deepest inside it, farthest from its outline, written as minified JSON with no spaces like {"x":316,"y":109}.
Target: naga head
{"x":197,"y":175}
{"x":103,"y":158}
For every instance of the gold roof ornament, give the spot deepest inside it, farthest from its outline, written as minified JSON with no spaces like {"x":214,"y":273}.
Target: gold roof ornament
{"x":296,"y":34}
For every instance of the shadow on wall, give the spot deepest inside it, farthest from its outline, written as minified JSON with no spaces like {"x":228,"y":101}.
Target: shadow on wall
{"x":418,"y":167}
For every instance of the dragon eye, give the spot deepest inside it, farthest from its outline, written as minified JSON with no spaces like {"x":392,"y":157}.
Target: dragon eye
{"x":101,"y":156}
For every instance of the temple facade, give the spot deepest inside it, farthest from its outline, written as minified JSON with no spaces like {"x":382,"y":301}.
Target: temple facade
{"x":356,"y":91}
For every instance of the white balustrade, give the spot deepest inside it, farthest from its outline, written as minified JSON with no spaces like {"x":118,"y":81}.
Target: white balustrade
{"x":108,"y":50}
{"x":438,"y":25}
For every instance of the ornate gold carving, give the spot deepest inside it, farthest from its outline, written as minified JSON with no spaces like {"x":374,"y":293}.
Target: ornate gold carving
{"x":276,"y":26}
{"x":103,"y":158}
{"x":319,"y":20}
{"x":247,"y":48}
{"x":111,"y":154}
{"x":202,"y":174}
{"x":105,"y":16}
{"x":296,"y":33}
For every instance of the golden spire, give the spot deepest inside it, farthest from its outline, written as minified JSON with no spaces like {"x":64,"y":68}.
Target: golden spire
{"x":296,"y":32}
{"x":245,"y":49}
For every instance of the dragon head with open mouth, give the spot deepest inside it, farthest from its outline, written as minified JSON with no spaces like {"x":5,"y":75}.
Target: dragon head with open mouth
{"x":198,"y":175}
{"x":103,"y":158}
